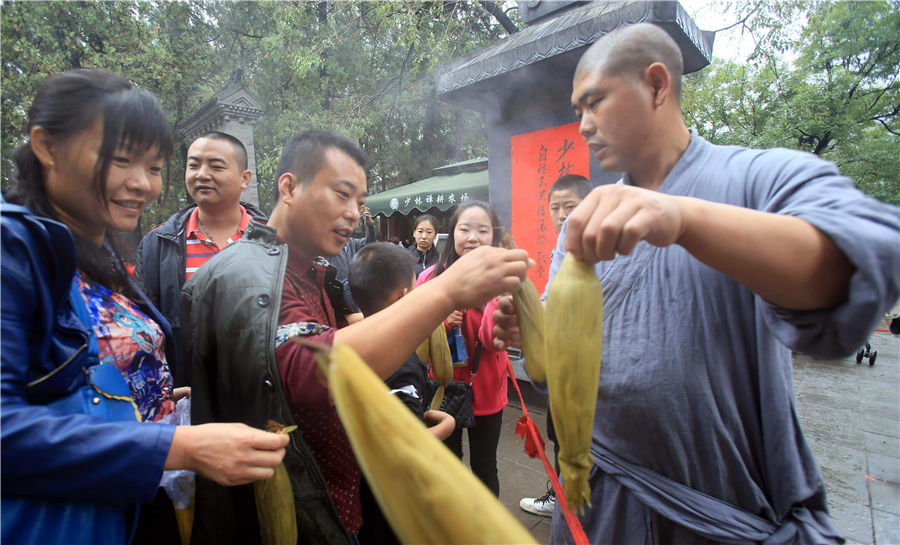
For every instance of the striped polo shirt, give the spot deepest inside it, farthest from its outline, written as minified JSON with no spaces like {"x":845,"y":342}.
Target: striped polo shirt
{"x":198,"y":248}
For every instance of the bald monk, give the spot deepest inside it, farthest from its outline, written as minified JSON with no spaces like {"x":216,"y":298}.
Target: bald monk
{"x":716,"y":262}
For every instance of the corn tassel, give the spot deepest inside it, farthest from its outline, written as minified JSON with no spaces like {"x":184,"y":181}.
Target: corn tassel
{"x":531,"y":319}
{"x":574,"y":339}
{"x":275,"y":501}
{"x":423,"y":489}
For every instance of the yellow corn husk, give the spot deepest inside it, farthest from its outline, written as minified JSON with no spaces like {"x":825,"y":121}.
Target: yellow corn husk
{"x":275,"y":501}
{"x":439,"y":353}
{"x":438,"y":499}
{"x":185,"y":520}
{"x":531,"y":319}
{"x":436,"y":350}
{"x":574,"y":339}
{"x":441,"y":363}
{"x":424,"y":349}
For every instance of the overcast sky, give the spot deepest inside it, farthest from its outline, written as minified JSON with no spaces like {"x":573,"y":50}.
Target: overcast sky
{"x":708,"y":15}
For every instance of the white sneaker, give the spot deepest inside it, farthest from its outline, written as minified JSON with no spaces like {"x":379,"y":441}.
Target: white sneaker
{"x":542,"y":506}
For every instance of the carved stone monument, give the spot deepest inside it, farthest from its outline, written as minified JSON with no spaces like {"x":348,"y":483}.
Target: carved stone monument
{"x":233,"y":110}
{"x":522,"y":86}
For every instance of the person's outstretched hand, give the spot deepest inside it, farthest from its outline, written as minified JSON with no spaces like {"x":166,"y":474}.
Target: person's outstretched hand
{"x":484,"y":273}
{"x":506,"y":326}
{"x":229,"y":454}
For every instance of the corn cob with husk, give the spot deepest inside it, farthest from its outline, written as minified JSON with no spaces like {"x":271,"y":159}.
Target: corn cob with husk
{"x":275,"y":501}
{"x":530,"y":316}
{"x":574,"y":339}
{"x":184,"y":518}
{"x":436,"y":349}
{"x":531,"y":319}
{"x":423,"y":489}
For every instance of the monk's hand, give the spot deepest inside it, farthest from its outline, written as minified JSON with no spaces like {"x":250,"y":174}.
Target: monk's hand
{"x":506,"y":326}
{"x":614,"y":218}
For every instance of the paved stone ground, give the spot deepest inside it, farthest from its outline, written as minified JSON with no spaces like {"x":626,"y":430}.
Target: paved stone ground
{"x":851,"y":418}
{"x":850,"y":415}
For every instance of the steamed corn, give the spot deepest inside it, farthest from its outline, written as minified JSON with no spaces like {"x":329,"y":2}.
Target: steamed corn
{"x":275,"y":501}
{"x":436,"y":349}
{"x":531,"y":319}
{"x":574,"y":339}
{"x":425,"y":492}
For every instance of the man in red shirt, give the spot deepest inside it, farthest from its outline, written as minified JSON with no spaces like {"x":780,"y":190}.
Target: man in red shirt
{"x":215,"y":174}
{"x":321,"y":188}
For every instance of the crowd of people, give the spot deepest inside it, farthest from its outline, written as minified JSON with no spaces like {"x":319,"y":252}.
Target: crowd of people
{"x":716,"y":262}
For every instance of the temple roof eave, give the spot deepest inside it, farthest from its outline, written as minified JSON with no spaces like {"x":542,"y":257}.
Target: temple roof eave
{"x":568,"y":32}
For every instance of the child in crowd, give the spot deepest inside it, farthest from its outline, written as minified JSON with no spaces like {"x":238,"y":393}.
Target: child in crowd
{"x":475,"y":224}
{"x":380,"y":274}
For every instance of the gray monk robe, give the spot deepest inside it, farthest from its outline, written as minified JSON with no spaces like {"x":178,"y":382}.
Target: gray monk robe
{"x":695,"y":390}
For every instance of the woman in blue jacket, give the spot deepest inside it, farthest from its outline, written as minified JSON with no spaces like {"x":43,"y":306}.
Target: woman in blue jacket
{"x":92,"y":163}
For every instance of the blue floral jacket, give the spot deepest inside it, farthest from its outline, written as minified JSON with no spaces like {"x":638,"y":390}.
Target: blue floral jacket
{"x":47,"y":454}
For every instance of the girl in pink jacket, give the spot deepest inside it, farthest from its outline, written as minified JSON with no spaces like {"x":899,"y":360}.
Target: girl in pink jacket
{"x":474,"y":224}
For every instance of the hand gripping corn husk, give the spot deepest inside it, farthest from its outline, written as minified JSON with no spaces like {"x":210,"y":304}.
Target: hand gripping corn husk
{"x":531,"y":319}
{"x":436,"y":349}
{"x":275,"y":501}
{"x":530,"y":315}
{"x":423,"y":489}
{"x":574,"y":339}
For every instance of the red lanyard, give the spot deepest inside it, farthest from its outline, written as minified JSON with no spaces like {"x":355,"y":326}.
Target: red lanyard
{"x":534,"y":447}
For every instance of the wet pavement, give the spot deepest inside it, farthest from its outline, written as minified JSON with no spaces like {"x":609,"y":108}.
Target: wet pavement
{"x":850,"y":415}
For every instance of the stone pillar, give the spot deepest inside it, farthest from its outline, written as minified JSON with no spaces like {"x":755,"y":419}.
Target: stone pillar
{"x":233,"y":110}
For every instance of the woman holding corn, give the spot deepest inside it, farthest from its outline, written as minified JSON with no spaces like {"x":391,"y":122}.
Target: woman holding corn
{"x":475,"y":224}
{"x":75,"y":323}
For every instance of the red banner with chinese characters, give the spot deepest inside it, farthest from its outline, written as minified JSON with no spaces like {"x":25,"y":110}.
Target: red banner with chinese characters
{"x":539,"y":158}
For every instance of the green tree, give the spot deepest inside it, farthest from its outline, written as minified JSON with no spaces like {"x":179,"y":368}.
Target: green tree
{"x":838,"y":97}
{"x":361,"y":68}
{"x":161,"y":46}
{"x":69,"y":35}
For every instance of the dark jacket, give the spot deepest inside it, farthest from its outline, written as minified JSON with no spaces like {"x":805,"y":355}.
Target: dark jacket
{"x":230,"y":309}
{"x":425,"y":259}
{"x":341,"y":262}
{"x":412,"y":386}
{"x":160,"y":269}
{"x":47,"y":454}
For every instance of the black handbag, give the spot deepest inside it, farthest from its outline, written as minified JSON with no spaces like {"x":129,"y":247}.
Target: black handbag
{"x":458,"y":396}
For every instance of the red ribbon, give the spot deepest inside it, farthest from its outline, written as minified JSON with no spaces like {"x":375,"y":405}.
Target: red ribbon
{"x":534,"y":447}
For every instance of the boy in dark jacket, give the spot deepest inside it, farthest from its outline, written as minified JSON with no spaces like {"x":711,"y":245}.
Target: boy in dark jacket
{"x":380,"y":274}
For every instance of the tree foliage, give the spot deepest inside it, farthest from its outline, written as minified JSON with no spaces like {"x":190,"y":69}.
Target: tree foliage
{"x":833,"y":89}
{"x":364,"y":69}
{"x":164,"y":47}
